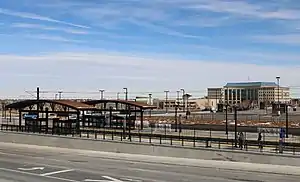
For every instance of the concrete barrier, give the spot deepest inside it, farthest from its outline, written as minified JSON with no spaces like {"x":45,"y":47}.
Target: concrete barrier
{"x":149,"y":149}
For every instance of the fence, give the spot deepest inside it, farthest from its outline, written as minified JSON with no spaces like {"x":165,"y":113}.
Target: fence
{"x":166,"y":135}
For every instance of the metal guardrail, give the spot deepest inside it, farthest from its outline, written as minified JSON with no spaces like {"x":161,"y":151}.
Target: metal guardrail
{"x":191,"y":141}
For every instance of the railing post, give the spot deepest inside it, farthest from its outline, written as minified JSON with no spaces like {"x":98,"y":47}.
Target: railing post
{"x":150,"y":138}
{"x":194,"y":144}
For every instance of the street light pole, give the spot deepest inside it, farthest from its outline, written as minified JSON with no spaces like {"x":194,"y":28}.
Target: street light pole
{"x":226,"y":107}
{"x":150,"y":99}
{"x":183,"y":99}
{"x":126,"y":117}
{"x":278,"y":82}
{"x":235,"y":125}
{"x":286,"y":121}
{"x":166,"y":91}
{"x":101,"y":94}
{"x":150,"y":103}
{"x":178,"y":91}
{"x":126,"y":93}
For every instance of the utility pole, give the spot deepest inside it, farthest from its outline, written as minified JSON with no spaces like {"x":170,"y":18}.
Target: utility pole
{"x":101,"y":94}
{"x":166,"y":91}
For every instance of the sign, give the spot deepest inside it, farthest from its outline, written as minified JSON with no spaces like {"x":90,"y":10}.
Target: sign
{"x":282,"y":133}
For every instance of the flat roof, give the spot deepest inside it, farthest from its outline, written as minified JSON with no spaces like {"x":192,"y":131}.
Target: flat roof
{"x":252,"y":84}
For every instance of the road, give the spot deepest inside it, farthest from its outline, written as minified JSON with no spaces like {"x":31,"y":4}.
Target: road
{"x":22,"y":163}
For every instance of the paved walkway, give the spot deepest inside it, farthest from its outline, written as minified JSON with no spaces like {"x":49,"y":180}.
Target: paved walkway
{"x":185,"y":143}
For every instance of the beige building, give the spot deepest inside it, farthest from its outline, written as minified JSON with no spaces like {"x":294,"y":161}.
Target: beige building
{"x":192,"y":103}
{"x":214,"y":96}
{"x":255,"y":93}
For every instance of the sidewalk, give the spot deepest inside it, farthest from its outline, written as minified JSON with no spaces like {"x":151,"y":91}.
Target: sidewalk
{"x":185,"y":143}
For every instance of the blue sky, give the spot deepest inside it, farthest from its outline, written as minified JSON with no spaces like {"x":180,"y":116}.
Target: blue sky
{"x":146,"y":45}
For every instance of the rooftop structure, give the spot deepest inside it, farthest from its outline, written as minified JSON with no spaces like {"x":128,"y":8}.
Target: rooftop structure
{"x":252,"y":84}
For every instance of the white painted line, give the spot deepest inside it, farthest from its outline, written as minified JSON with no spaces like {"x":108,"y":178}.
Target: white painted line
{"x":112,"y":179}
{"x":108,"y":179}
{"x":38,"y":175}
{"x":32,"y":168}
{"x":57,"y":172}
{"x":134,"y":180}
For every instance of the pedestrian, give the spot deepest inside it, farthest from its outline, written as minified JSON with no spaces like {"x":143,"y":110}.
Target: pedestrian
{"x":241,"y":140}
{"x":259,"y":141}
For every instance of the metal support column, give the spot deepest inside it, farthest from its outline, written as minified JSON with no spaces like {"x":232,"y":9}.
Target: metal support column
{"x":38,"y":104}
{"x":226,"y":119}
{"x":20,"y":119}
{"x":176,"y":109}
{"x":47,"y":119}
{"x":78,"y":122}
{"x":110,"y":117}
{"x":287,"y":121}
{"x":142,"y":120}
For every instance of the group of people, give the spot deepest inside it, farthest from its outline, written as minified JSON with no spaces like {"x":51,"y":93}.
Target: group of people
{"x":242,"y":140}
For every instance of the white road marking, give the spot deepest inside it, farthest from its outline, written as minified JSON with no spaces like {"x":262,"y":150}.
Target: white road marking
{"x":112,"y":179}
{"x":134,"y":180}
{"x":57,"y":172}
{"x":38,"y":175}
{"x":108,"y":179}
{"x":32,"y":168}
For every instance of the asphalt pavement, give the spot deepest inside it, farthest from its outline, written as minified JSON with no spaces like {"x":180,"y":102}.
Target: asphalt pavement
{"x":23,"y":163}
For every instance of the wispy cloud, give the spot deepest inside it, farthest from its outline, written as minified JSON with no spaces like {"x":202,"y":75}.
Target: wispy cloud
{"x":53,"y":38}
{"x":147,"y":77}
{"x":44,"y":27}
{"x":43,"y":37}
{"x":244,"y":8}
{"x":293,"y":39}
{"x":37,"y":17}
{"x":163,"y":30}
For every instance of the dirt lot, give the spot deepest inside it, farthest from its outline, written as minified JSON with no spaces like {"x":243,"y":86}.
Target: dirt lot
{"x":271,"y":123}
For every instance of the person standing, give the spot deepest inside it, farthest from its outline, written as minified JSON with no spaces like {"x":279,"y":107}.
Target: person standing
{"x":259,"y":141}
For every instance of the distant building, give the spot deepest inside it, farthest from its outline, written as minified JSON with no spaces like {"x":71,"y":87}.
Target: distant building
{"x":255,"y":93}
{"x":214,"y":96}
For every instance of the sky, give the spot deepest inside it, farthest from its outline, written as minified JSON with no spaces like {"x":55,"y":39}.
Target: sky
{"x":147,"y":46}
